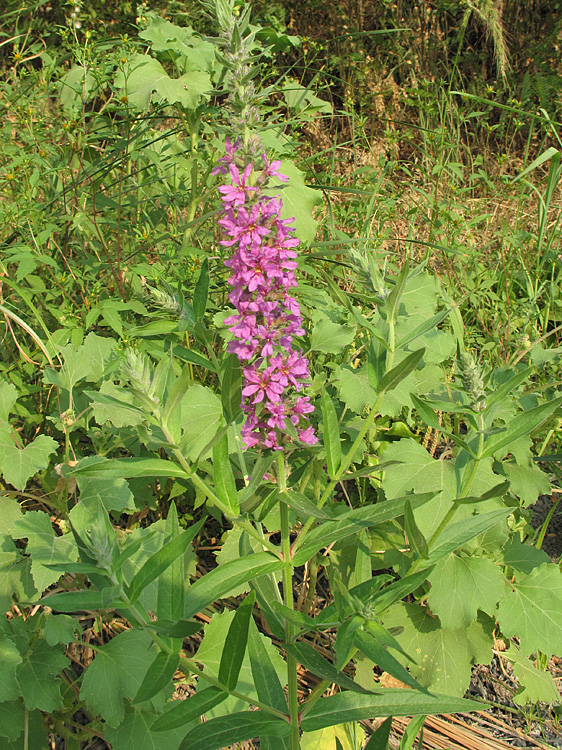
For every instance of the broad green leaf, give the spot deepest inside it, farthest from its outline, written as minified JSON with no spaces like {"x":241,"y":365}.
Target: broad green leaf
{"x":331,"y":435}
{"x":425,"y":471}
{"x":114,"y":494}
{"x":460,"y":586}
{"x":220,"y":581}
{"x":342,"y":737}
{"x":527,"y":482}
{"x":267,"y":681}
{"x":127,"y":468}
{"x":523,"y":557}
{"x":380,"y":656}
{"x":135,"y":732}
{"x":18,"y":465}
{"x":444,"y":657}
{"x":10,"y":659}
{"x":321,"y":667}
{"x":160,"y":674}
{"x":299,"y":200}
{"x":522,"y":424}
{"x":331,"y":338}
{"x":171,"y":416}
{"x":36,"y":676}
{"x":235,"y":644}
{"x":11,"y":512}
{"x":201,"y":417}
{"x":531,"y":610}
{"x":223,"y":477}
{"x":116,"y":673}
{"x":379,"y":739}
{"x":226,"y":730}
{"x":61,"y":629}
{"x":12,"y":720}
{"x":158,"y":563}
{"x":113,"y":404}
{"x":44,"y":546}
{"x":183,"y":711}
{"x":171,"y":583}
{"x":390,"y":380}
{"x":147,"y":80}
{"x":352,"y":522}
{"x":461,"y":532}
{"x":354,"y":390}
{"x":348,"y":706}
{"x":77,"y":87}
{"x":195,"y":53}
{"x":534,"y":684}
{"x":8,"y":397}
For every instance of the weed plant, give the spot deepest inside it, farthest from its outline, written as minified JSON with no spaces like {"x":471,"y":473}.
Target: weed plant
{"x":389,"y":537}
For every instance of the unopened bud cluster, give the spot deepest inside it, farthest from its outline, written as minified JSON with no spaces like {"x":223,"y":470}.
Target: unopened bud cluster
{"x":473,"y":382}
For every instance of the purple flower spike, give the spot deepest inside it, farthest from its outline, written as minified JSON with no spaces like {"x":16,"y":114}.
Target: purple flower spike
{"x":267,"y":316}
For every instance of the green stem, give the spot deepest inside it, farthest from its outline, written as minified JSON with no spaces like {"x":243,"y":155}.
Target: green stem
{"x":466,"y":485}
{"x":292,"y":678}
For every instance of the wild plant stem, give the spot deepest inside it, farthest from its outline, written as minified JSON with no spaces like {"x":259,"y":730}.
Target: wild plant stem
{"x":288,"y":599}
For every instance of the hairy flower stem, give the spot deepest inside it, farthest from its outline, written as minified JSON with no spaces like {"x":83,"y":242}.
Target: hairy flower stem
{"x":288,"y":598}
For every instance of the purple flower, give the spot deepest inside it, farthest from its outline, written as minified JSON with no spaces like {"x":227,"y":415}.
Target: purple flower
{"x":267,"y":318}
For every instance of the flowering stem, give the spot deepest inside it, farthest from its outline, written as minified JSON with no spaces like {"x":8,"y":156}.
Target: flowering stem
{"x":288,"y":597}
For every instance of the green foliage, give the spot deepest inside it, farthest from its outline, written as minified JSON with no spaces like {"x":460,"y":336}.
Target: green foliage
{"x":120,"y":446}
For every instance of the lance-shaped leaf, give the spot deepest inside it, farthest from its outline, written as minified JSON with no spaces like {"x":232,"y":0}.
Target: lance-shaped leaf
{"x":461,"y":532}
{"x":423,"y":328}
{"x":266,"y":679}
{"x":416,"y":539}
{"x":231,"y":388}
{"x":520,"y":425}
{"x":315,"y":663}
{"x":220,"y":581}
{"x":84,"y":601}
{"x":500,"y":393}
{"x":379,"y":739}
{"x":348,"y":706}
{"x":371,"y":592}
{"x":352,"y":522}
{"x":378,"y":654}
{"x":171,"y":584}
{"x":201,"y":291}
{"x":158,"y":563}
{"x":331,"y":432}
{"x":427,"y":413}
{"x":395,"y":297}
{"x":235,"y":644}
{"x":185,"y":711}
{"x":225,"y":486}
{"x":400,"y":371}
{"x":159,"y":674}
{"x":124,"y":468}
{"x":224,"y":731}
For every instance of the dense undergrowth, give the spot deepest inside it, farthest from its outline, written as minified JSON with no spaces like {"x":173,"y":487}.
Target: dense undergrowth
{"x":422,"y":148}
